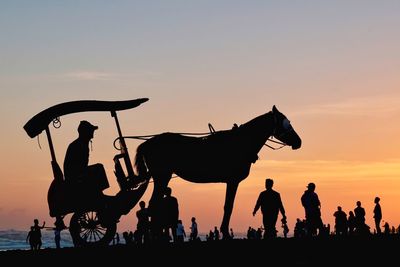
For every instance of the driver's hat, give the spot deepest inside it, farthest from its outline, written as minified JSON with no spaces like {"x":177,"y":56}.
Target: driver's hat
{"x":86,"y":126}
{"x":311,"y":185}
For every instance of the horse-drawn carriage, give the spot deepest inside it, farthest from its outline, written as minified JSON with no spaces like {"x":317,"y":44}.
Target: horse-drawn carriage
{"x":220,"y":157}
{"x":95,"y":215}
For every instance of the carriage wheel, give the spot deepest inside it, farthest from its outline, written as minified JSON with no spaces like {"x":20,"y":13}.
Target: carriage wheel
{"x":86,"y":230}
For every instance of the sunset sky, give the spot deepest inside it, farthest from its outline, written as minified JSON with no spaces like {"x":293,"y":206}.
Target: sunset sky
{"x":332,"y":67}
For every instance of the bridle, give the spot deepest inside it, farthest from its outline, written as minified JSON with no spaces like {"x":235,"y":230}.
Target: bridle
{"x":290,"y":129}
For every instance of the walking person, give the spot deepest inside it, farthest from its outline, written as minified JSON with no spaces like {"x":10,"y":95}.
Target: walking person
{"x":271,"y":204}
{"x":193,"y":230}
{"x":170,"y":213}
{"x":377,"y":215}
{"x":180,"y":232}
{"x":312,"y":207}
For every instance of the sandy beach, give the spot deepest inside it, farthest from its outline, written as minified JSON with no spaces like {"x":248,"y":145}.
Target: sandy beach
{"x":293,"y":252}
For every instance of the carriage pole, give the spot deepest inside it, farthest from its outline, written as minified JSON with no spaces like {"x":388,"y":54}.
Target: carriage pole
{"x":124,"y":148}
{"x":54,"y":165}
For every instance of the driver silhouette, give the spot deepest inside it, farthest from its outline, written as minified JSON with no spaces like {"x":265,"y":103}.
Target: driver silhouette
{"x":82,"y":177}
{"x":77,"y":155}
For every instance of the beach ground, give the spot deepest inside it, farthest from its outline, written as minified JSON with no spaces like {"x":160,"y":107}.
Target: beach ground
{"x":285,"y":252}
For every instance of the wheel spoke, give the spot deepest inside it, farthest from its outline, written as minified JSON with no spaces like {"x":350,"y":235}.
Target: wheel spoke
{"x":91,"y":235}
{"x":101,"y":230}
{"x":85,"y":235}
{"x":95,"y":233}
{"x":102,"y":234}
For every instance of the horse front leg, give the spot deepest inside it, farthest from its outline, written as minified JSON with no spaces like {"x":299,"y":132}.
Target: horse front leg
{"x":231,"y":189}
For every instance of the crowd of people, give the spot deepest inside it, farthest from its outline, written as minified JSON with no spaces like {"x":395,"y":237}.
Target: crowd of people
{"x":166,"y":225}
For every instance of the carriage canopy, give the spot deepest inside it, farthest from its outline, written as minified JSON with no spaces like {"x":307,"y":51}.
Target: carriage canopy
{"x":40,"y":121}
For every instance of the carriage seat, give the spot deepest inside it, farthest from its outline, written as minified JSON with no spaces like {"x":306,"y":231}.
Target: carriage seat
{"x":64,"y":196}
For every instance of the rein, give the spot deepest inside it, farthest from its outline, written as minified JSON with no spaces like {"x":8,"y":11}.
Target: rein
{"x":212,"y":131}
{"x":147,"y":137}
{"x":276,"y":142}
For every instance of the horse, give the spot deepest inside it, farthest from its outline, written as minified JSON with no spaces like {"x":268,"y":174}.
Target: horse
{"x":220,"y":157}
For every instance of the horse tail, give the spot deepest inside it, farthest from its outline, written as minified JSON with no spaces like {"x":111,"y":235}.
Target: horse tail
{"x":140,"y":162}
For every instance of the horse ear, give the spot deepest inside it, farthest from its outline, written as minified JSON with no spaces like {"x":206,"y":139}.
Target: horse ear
{"x":274,"y":109}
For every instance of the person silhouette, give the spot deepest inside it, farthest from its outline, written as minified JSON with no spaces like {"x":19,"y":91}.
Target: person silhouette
{"x":76,"y":160}
{"x":216,"y":233}
{"x":37,"y":234}
{"x":340,"y":221}
{"x":359,"y":213}
{"x":143,"y":223}
{"x":386,"y":228}
{"x":377,"y":215}
{"x":271,"y":203}
{"x":193,"y":230}
{"x":32,"y":238}
{"x":180,"y":232}
{"x":170,"y":209}
{"x":351,"y":222}
{"x":85,"y":181}
{"x":312,"y":207}
{"x":59,"y":226}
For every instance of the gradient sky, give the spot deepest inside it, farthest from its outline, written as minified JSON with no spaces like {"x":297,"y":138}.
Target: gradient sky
{"x":331,"y":66}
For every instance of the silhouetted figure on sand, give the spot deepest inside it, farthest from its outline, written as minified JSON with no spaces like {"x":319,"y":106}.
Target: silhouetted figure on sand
{"x":59,"y":226}
{"x":340,"y":222}
{"x":359,"y":213}
{"x":193,"y":230}
{"x":32,"y":238}
{"x":143,"y":223}
{"x":299,"y":229}
{"x":312,"y":207}
{"x":35,"y":235}
{"x":128,"y":237}
{"x":210,"y":236}
{"x":258,"y":233}
{"x":180,"y":232}
{"x":377,"y":215}
{"x":170,"y":210}
{"x":216,"y":234}
{"x":270,"y":203}
{"x":386,"y":229}
{"x":351,"y":223}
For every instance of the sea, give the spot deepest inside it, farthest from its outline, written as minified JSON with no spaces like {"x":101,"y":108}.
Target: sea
{"x":16,"y":239}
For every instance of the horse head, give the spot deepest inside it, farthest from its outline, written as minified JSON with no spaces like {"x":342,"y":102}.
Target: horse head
{"x":284,"y":131}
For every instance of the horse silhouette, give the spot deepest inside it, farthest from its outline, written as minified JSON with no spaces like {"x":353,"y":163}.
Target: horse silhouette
{"x":221,"y":157}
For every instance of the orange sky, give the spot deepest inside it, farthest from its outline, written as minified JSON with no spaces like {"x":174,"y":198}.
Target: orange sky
{"x":332,"y":68}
